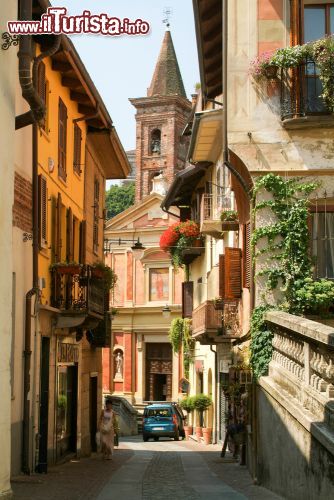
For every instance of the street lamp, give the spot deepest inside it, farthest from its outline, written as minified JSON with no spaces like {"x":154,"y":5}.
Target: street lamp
{"x":137,"y":247}
{"x":166,"y":312}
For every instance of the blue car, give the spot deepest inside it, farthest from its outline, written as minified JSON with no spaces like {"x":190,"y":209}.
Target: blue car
{"x":162,"y":420}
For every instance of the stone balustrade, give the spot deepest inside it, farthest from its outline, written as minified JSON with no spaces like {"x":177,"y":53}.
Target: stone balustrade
{"x":303,"y":362}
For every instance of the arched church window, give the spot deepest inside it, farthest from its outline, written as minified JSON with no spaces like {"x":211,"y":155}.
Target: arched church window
{"x":156,"y":141}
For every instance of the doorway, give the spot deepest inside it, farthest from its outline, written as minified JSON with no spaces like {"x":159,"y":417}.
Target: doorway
{"x":93,"y":412}
{"x":159,"y":387}
{"x":42,"y":465}
{"x":67,"y":403}
{"x":159,"y":370}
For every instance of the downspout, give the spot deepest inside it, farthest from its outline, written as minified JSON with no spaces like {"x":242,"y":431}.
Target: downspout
{"x":29,"y":295}
{"x":215,"y":440}
{"x":27,"y":78}
{"x":36,"y":113}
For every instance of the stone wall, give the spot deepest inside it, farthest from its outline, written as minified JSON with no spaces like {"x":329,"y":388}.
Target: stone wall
{"x":291,"y":460}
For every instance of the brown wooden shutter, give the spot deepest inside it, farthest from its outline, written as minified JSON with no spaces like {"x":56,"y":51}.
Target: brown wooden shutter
{"x":247,"y":260}
{"x":82,"y":244}
{"x":62,"y":139}
{"x":77,"y":149}
{"x":53,"y":229}
{"x":42,"y":211}
{"x":187,"y":299}
{"x":59,"y":229}
{"x":222,"y":276}
{"x":232,"y":273}
{"x":69,"y":236}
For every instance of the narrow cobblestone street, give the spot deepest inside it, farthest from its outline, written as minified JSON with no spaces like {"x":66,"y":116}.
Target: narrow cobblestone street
{"x":145,"y":471}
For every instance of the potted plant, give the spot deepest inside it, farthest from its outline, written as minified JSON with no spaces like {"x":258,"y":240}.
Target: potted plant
{"x":71,"y":268}
{"x":229,"y":220}
{"x":201,"y":403}
{"x":101,"y":271}
{"x":218,"y":303}
{"x":262,"y":66}
{"x":187,"y":404}
{"x":177,"y":238}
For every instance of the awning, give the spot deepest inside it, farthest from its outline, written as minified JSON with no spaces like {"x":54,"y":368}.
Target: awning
{"x":183,"y":186}
{"x":207,"y":134}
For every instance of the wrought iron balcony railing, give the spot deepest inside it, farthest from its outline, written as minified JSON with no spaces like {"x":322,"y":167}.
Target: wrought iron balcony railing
{"x":78,"y":289}
{"x":301,"y":90}
{"x":211,"y":324}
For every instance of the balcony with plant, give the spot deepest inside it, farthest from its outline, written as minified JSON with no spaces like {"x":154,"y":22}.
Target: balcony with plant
{"x":183,"y":242}
{"x":305,"y":74}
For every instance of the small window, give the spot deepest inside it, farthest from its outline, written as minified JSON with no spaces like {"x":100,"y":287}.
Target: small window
{"x":156,"y":142}
{"x":159,"y":284}
{"x":77,"y":149}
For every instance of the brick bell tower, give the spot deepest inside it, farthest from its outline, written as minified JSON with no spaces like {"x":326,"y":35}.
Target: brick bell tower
{"x":161,"y":118}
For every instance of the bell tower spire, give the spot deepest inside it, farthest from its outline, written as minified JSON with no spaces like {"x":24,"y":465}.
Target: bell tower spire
{"x":161,"y":117}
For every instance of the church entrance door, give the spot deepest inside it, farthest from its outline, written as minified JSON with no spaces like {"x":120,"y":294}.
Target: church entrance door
{"x":159,"y":371}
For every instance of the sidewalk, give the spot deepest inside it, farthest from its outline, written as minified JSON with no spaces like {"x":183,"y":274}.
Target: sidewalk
{"x":228,"y":470}
{"x":74,"y":480}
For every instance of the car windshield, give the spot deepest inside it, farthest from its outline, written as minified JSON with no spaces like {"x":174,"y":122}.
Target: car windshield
{"x":158,"y":412}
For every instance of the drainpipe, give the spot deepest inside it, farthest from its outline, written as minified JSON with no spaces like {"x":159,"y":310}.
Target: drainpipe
{"x":33,"y":291}
{"x":27,"y":78}
{"x":36,"y":113}
{"x":215,"y":440}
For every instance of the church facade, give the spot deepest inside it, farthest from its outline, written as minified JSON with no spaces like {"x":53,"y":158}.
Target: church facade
{"x":140,"y":364}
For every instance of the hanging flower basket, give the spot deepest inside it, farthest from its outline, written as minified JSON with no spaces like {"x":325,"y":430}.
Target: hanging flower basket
{"x":178,"y":239}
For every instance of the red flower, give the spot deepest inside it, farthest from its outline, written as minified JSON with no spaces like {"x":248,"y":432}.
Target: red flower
{"x":169,"y":237}
{"x":189,"y":229}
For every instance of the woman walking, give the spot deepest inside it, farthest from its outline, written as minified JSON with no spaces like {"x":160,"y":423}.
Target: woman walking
{"x":106,"y":427}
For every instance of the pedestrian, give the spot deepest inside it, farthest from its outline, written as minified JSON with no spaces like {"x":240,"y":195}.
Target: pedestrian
{"x":106,"y":428}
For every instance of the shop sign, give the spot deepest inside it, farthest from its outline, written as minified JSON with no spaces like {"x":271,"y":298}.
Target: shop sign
{"x":68,"y":353}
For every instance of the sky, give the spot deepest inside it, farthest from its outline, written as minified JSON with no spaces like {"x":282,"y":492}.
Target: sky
{"x":122,"y":67}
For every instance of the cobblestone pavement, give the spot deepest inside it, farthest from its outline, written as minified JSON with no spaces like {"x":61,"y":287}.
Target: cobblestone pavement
{"x":145,"y":471}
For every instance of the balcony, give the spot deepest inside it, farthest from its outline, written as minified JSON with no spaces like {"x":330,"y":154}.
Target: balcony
{"x":79,"y":295}
{"x":218,"y":214}
{"x":300,"y":101}
{"x":212,"y":326}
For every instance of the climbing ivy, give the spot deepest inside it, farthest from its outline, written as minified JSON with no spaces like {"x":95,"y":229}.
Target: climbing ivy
{"x":288,"y":263}
{"x":180,"y":336}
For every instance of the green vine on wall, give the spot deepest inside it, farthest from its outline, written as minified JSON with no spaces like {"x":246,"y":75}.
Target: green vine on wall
{"x":288,"y":264}
{"x":180,"y":336}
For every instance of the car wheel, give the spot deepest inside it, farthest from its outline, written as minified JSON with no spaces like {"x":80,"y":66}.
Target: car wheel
{"x":177,"y":435}
{"x":156,"y":438}
{"x":145,"y":438}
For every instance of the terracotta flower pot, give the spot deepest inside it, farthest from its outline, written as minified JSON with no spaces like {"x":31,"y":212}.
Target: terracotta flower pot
{"x":188,"y":430}
{"x":207,"y":434}
{"x":199,"y":433}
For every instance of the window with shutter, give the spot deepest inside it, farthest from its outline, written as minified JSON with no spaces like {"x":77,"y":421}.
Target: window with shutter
{"x":42,"y":211}
{"x":53,"y":229}
{"x":96,"y":237}
{"x":82,"y":244}
{"x":232,"y":273}
{"x":187,"y":299}
{"x":69,"y":236}
{"x":247,"y":261}
{"x":59,"y":229}
{"x":42,"y":91}
{"x":62,"y":139}
{"x":77,"y":149}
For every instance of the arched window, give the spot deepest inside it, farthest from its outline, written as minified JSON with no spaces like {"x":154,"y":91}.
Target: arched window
{"x":156,"y":141}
